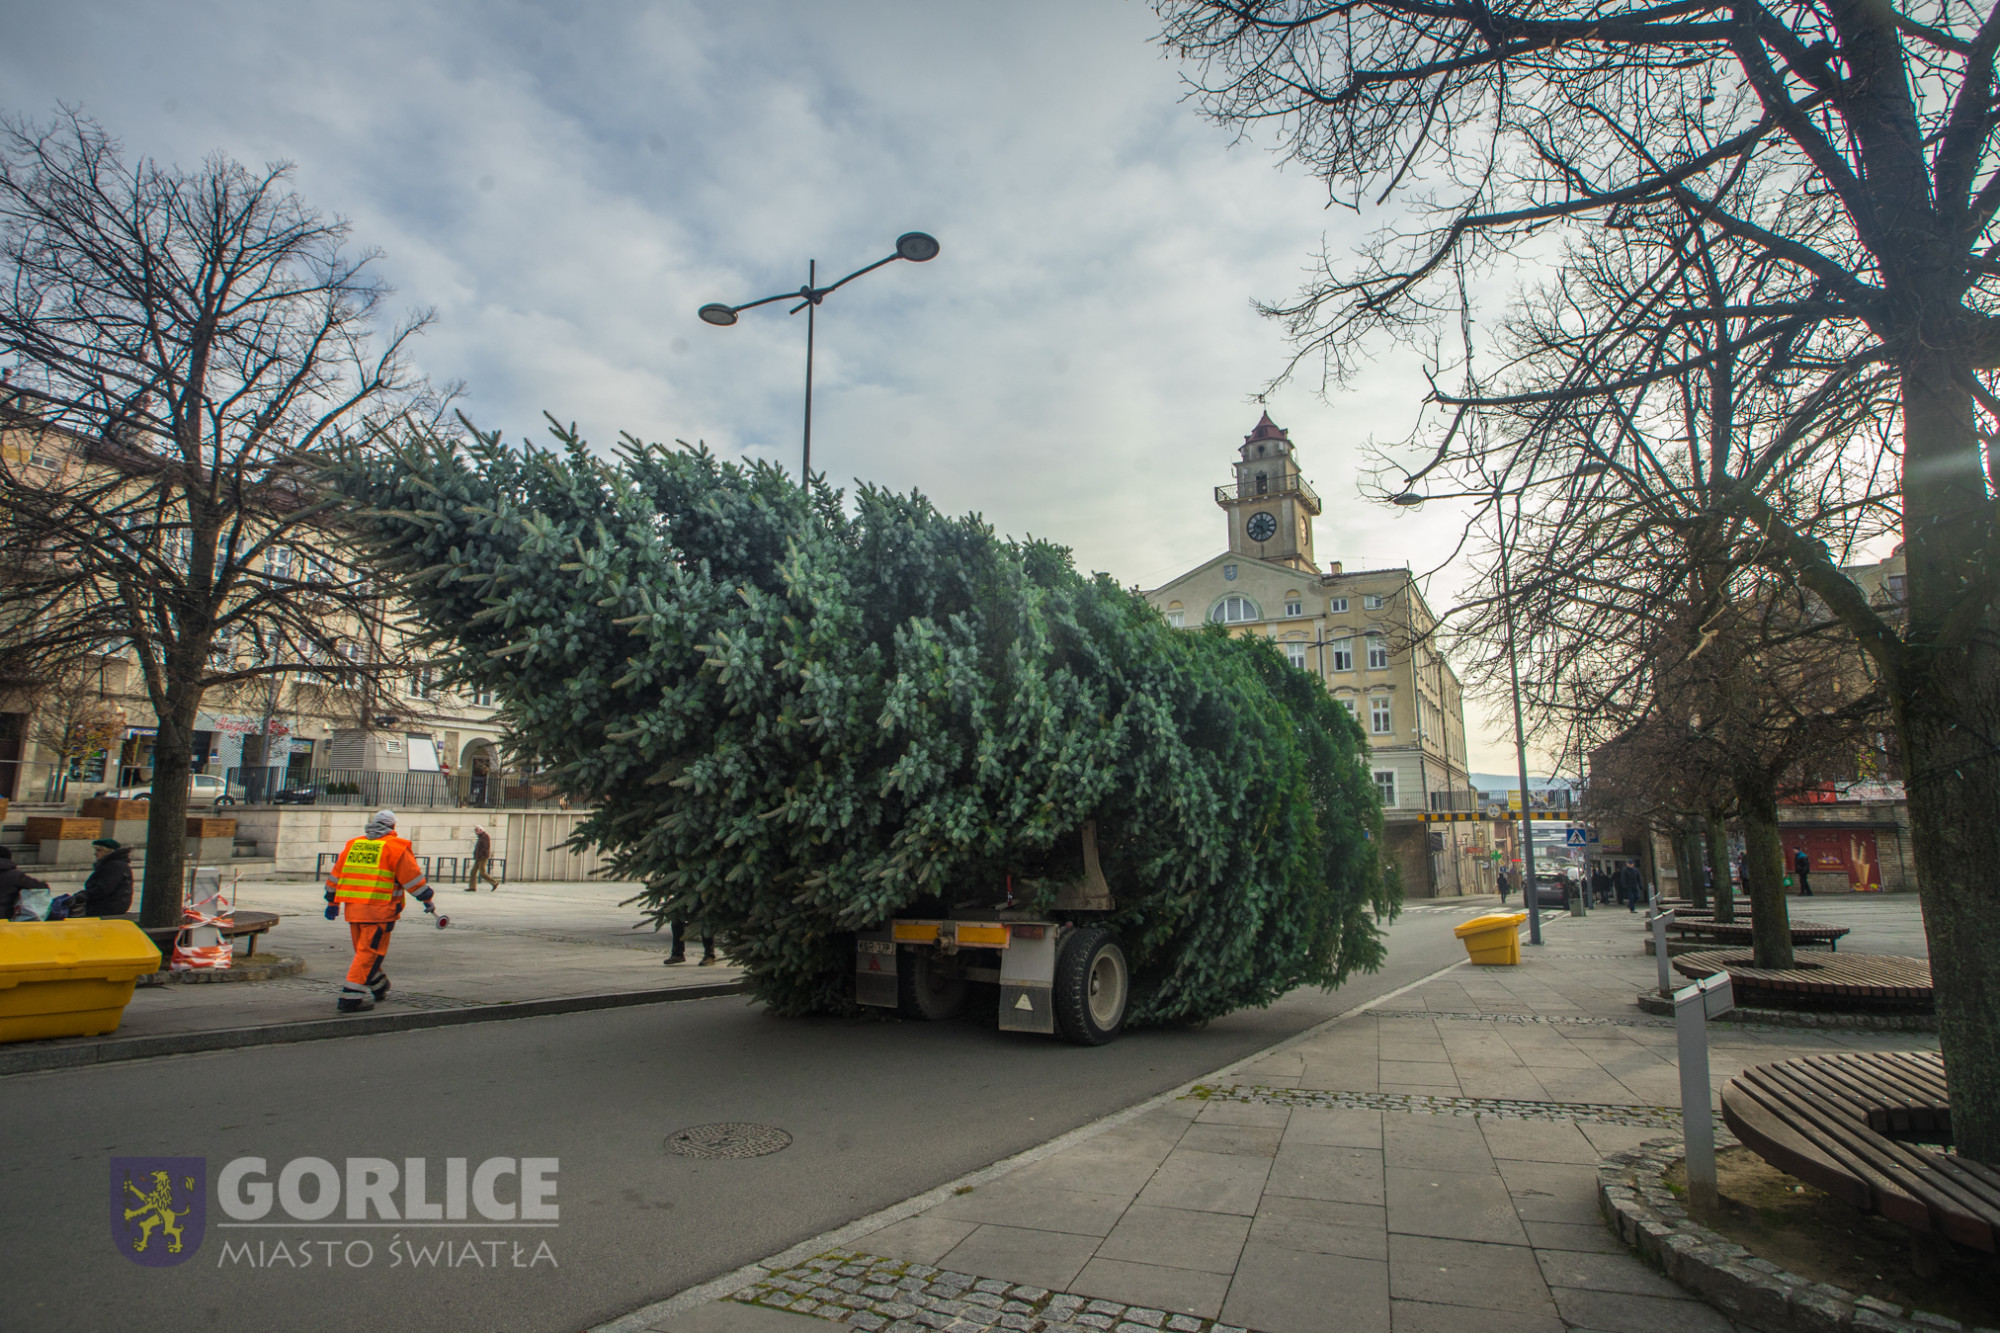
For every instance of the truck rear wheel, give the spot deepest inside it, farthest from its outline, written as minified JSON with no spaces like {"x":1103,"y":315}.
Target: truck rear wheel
{"x":925,"y":989}
{"x":1093,"y":986}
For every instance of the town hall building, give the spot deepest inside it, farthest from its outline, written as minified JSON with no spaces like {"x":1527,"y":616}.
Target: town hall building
{"x":1370,"y":638}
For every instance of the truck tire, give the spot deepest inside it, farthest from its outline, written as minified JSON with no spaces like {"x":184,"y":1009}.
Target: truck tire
{"x":926,"y":990}
{"x":1093,"y":986}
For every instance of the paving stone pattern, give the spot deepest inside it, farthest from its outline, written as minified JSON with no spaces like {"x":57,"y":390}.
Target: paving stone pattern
{"x":897,"y":1296}
{"x":1500,"y":1108}
{"x":1428,"y":1170}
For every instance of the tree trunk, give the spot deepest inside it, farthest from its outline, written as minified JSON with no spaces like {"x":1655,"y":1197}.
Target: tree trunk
{"x":1948,"y":712}
{"x":1677,"y":838}
{"x":1717,"y":837}
{"x":1764,"y":864}
{"x":166,"y":824}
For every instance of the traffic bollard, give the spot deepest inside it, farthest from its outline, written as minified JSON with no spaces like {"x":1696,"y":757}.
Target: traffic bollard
{"x":1694,"y":1005}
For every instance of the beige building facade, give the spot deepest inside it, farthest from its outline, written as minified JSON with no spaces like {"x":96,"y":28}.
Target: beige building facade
{"x":1368,"y":635}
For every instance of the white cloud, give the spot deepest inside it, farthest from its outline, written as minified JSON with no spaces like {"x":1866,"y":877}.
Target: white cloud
{"x":567,"y":184}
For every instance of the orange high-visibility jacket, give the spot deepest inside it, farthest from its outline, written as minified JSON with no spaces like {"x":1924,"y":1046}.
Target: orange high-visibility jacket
{"x":373,"y":875}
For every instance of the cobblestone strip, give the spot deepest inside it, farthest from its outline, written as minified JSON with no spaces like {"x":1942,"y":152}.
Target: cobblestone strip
{"x":1632,"y":1193}
{"x":896,"y":1296}
{"x":1577,"y":1020}
{"x":1497,"y":1108}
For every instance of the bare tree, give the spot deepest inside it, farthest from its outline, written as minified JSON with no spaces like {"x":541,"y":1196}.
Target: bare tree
{"x":1504,"y":122}
{"x":203,"y":339}
{"x":74,"y":720}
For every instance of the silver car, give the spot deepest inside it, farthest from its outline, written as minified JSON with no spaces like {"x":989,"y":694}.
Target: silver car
{"x":203,"y":789}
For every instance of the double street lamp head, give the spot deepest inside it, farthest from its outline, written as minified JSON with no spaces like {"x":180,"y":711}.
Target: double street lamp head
{"x":919,"y":247}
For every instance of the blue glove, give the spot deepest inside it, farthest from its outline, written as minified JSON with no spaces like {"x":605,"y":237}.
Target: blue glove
{"x":332,"y":907}
{"x":424,"y":896}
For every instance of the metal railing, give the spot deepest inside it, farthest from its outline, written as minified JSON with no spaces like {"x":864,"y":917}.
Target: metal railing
{"x":437,"y":869}
{"x":503,"y":790}
{"x":1274,"y":488}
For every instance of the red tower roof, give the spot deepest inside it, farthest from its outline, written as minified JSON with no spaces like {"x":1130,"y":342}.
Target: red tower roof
{"x":1266,"y":429}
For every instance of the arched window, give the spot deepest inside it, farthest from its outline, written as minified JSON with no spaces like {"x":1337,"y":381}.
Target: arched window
{"x":1176,"y":614}
{"x":1234,"y":610}
{"x":1263,"y":485}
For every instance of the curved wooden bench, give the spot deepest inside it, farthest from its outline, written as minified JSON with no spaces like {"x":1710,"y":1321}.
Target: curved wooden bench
{"x":1841,"y":1123}
{"x":1882,"y":979}
{"x":1739,"y":932}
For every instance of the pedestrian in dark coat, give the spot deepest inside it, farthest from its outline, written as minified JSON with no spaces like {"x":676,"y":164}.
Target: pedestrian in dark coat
{"x":1629,"y":886}
{"x":1802,"y":867}
{"x":13,"y":882}
{"x":108,"y":891}
{"x":1505,"y":887}
{"x":1600,"y":885}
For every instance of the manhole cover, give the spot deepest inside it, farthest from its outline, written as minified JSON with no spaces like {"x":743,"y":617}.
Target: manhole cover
{"x":728,"y":1140}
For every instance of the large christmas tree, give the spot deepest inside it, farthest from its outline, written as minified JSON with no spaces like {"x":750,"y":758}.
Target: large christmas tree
{"x":794,"y":721}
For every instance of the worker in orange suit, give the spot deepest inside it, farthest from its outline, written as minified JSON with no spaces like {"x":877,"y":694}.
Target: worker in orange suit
{"x":374,"y":872}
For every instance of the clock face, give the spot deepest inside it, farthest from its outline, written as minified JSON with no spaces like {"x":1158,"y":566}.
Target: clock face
{"x":1261,"y":527}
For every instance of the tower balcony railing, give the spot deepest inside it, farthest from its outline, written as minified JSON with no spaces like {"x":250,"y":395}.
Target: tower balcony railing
{"x":1274,"y":489}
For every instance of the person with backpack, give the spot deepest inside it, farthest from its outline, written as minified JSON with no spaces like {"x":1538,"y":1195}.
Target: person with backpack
{"x":1629,"y":886}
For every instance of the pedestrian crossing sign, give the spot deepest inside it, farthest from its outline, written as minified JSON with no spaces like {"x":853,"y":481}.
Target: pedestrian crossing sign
{"x":1577,"y":837}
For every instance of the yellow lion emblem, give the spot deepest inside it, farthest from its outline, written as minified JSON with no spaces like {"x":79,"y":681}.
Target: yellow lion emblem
{"x":157,"y":1211}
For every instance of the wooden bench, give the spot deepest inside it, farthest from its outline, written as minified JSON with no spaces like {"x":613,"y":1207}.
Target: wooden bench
{"x":1858,"y":1126}
{"x":1871,"y":979}
{"x":1739,"y":932}
{"x":244,"y":924}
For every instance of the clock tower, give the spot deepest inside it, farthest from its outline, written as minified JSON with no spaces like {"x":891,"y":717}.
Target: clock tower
{"x":1270,"y":506}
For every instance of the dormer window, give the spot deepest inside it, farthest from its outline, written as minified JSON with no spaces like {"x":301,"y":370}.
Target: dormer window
{"x":1260,"y":451}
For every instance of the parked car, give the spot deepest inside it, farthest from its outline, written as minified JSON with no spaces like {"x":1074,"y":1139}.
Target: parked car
{"x":296,"y":796}
{"x":1551,"y":890}
{"x":203,"y":789}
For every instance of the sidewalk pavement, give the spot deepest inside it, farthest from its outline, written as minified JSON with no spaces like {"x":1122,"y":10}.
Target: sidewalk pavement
{"x":1427,"y":1166}
{"x":524,"y":942}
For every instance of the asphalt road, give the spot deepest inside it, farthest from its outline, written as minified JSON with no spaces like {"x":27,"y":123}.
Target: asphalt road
{"x":879,"y":1111}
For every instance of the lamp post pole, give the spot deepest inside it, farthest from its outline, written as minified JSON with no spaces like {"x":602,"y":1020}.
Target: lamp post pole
{"x":1520,"y":739}
{"x":916,"y":246}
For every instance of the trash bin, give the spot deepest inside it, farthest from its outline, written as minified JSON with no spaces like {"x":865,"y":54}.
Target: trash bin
{"x":69,"y":978}
{"x":1493,"y":938}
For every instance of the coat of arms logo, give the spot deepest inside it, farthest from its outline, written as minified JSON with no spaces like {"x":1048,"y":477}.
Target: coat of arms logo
{"x":159,"y":1208}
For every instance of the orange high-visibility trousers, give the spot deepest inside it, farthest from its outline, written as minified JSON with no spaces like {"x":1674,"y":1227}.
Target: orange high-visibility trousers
{"x":371,"y":948}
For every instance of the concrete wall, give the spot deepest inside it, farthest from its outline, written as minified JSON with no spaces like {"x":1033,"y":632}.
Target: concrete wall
{"x":296,"y":836}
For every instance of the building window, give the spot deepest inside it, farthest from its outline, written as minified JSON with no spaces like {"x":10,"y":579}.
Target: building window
{"x":1178,"y":619}
{"x":1295,"y":653}
{"x":1343,"y":654}
{"x":1294,"y":607}
{"x":1896,"y":585}
{"x":1378,"y":653}
{"x":1353,"y":708}
{"x":1380,"y":720}
{"x":1372,"y":602}
{"x":1385,"y":782}
{"x":1263,"y":482}
{"x":483,"y":698}
{"x":1336,"y":606}
{"x":278,"y":562}
{"x":1234,"y":610}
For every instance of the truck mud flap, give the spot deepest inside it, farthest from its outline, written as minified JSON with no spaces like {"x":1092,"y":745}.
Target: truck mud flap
{"x":875,"y":969}
{"x":1027,"y":980}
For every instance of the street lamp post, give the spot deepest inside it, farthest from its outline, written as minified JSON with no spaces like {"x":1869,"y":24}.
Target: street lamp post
{"x":916,"y":246}
{"x":1406,"y":499}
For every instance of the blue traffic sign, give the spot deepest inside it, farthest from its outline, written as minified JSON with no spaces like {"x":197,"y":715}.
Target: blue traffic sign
{"x":1577,"y":838}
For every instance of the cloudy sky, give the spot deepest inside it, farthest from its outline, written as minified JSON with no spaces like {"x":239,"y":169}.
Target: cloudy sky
{"x":567,"y":182}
